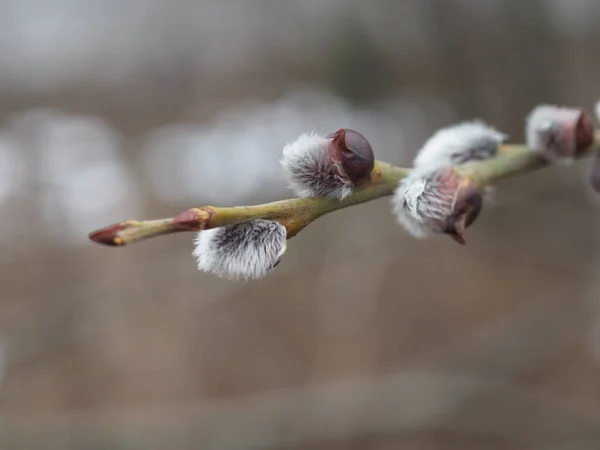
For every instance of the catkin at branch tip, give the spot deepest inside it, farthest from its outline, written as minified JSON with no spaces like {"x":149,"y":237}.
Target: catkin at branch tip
{"x":558,"y":133}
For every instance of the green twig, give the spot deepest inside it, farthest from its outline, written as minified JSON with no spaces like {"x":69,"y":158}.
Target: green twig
{"x":297,"y":213}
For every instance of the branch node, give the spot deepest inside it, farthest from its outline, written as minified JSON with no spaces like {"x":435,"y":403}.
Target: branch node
{"x":194,"y":219}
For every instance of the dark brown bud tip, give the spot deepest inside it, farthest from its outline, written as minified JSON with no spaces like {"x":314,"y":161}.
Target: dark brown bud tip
{"x":584,"y":131}
{"x":110,"y":235}
{"x":468,"y":206}
{"x":457,"y":230}
{"x":354,"y":152}
{"x":595,"y":173}
{"x":193,"y":219}
{"x":460,"y":238}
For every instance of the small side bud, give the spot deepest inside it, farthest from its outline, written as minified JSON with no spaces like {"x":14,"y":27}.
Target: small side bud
{"x":249,"y":250}
{"x":328,"y":166}
{"x":194,"y":219}
{"x":433,"y":201}
{"x":559,"y":134}
{"x":459,"y":144}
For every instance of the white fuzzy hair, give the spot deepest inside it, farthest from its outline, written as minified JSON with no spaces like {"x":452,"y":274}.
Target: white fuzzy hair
{"x":419,"y":204}
{"x":597,"y":110}
{"x":460,"y":143}
{"x":310,"y":171}
{"x":544,"y":133}
{"x":249,"y":250}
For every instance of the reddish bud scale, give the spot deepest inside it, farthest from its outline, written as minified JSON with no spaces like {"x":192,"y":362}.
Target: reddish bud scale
{"x":354,"y":154}
{"x":584,"y":131}
{"x":110,"y":234}
{"x":194,"y":219}
{"x":466,"y":208}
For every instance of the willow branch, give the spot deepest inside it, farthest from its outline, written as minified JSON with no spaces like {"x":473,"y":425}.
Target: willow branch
{"x":297,"y":213}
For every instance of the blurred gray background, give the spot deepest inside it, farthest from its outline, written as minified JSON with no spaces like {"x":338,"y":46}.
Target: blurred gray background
{"x":363,"y":338}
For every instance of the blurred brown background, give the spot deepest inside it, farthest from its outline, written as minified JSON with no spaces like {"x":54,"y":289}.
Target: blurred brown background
{"x":363,"y":338}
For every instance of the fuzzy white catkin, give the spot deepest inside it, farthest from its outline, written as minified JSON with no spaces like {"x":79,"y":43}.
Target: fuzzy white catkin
{"x":248,"y":250}
{"x":309,"y":170}
{"x":460,"y":143}
{"x":597,"y":110}
{"x":544,"y":133}
{"x":420,"y":205}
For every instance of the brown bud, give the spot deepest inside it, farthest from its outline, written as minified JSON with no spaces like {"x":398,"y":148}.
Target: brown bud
{"x":584,"y":131}
{"x":110,"y":235}
{"x":468,"y":205}
{"x":194,"y":219}
{"x":354,"y":153}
